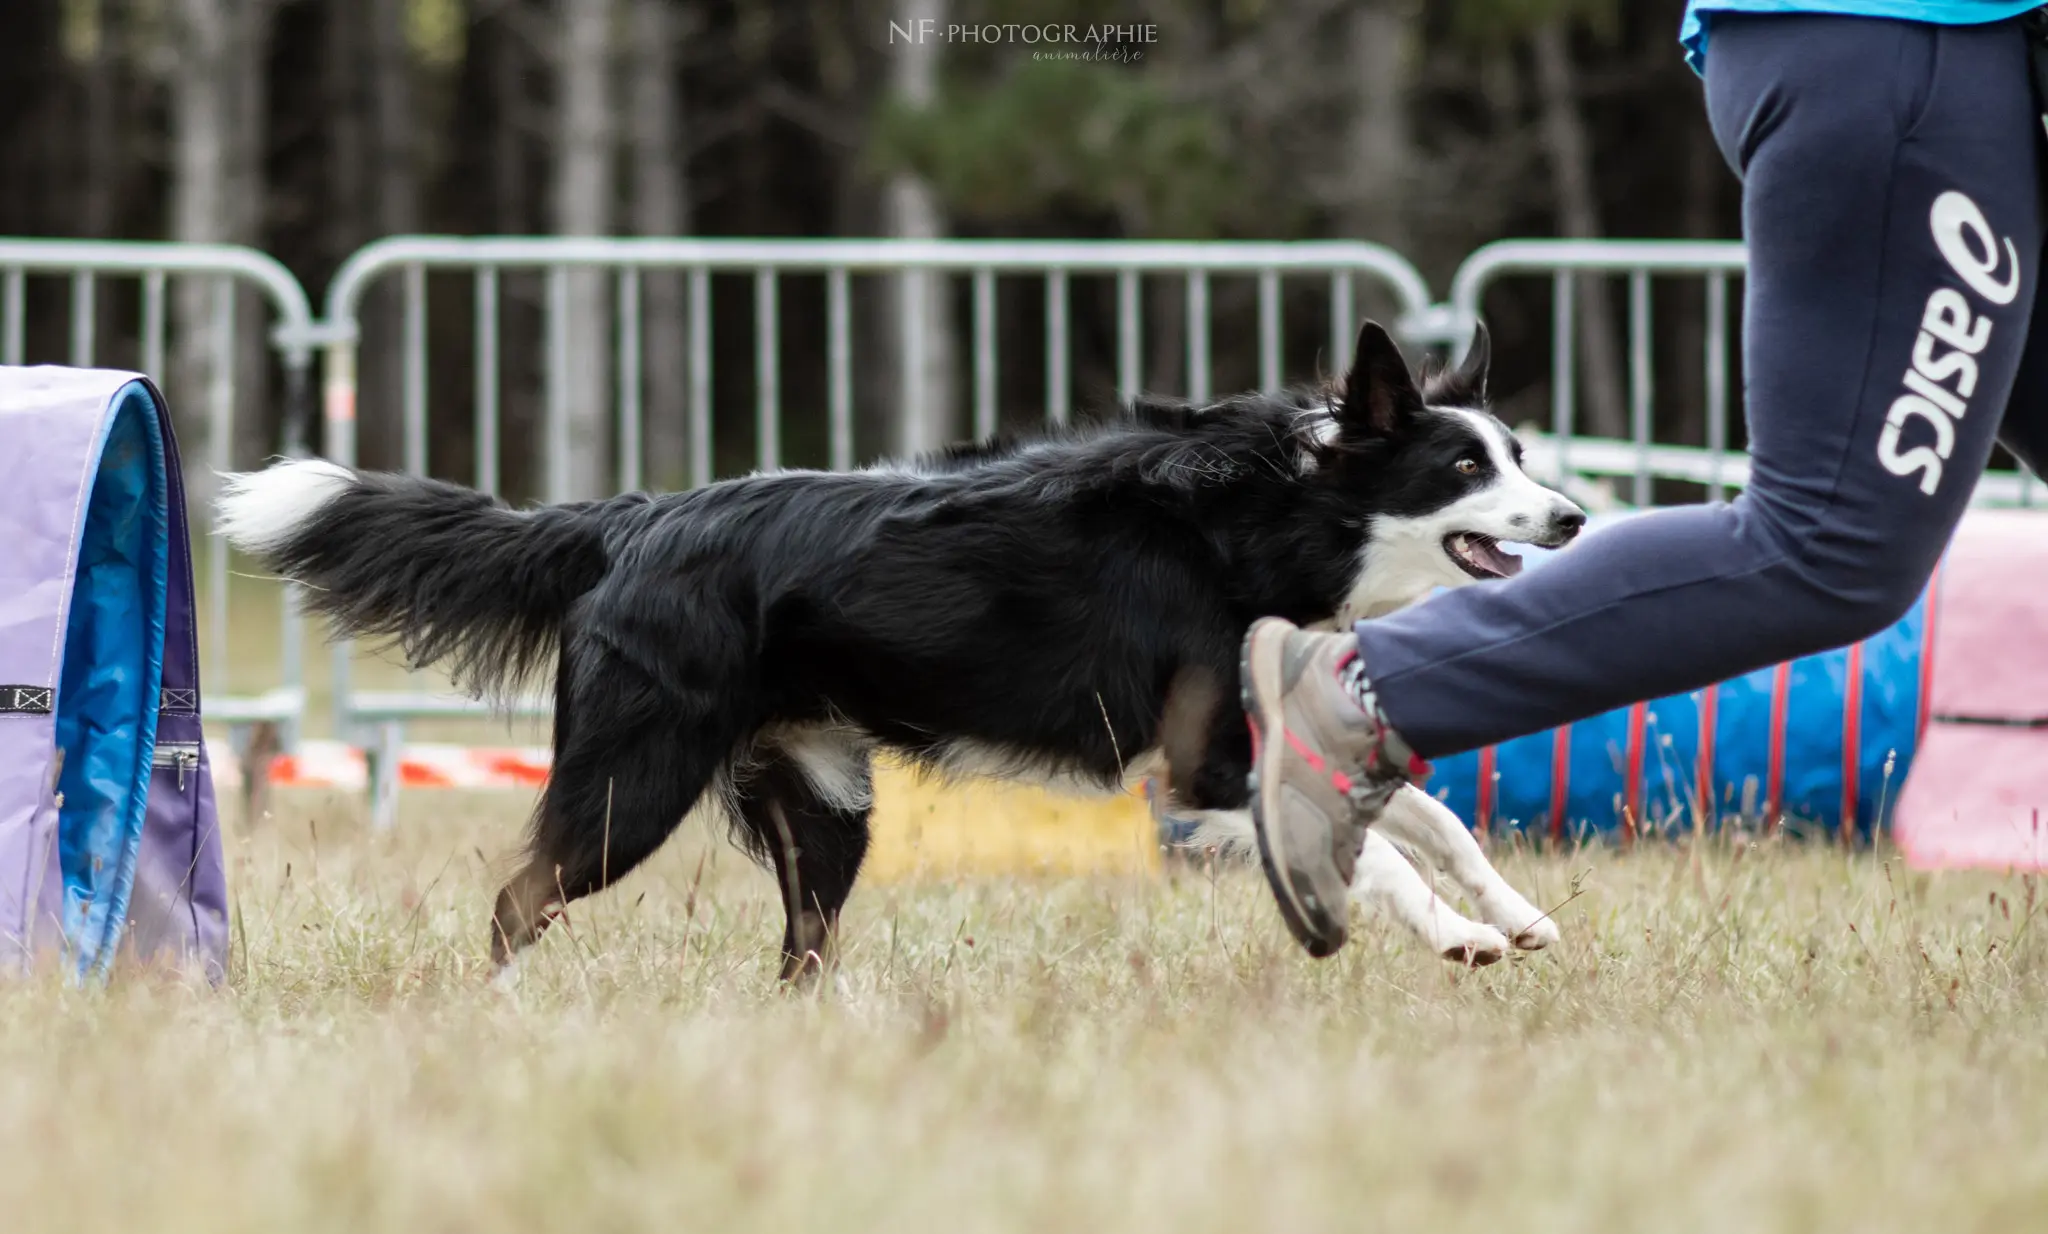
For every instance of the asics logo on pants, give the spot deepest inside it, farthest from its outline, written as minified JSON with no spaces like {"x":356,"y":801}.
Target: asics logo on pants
{"x":1939,"y":383}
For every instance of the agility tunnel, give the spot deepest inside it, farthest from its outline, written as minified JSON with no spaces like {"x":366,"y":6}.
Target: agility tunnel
{"x":108,"y":839}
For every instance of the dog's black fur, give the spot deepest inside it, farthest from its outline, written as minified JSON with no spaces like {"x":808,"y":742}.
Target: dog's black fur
{"x":1040,"y":603}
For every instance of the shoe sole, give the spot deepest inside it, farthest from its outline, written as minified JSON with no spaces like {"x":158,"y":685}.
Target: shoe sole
{"x":1265,"y":776}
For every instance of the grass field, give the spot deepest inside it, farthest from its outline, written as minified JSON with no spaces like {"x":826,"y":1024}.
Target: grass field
{"x":1736,"y":1038}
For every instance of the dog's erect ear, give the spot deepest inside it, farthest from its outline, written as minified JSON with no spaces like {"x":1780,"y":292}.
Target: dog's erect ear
{"x":1465,"y":385}
{"x":1379,"y":393}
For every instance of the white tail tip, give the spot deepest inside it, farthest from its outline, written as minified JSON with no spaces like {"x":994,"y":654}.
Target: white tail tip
{"x":260,"y":511}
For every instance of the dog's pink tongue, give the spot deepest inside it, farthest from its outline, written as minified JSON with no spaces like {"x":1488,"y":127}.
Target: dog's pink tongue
{"x":1488,"y":555}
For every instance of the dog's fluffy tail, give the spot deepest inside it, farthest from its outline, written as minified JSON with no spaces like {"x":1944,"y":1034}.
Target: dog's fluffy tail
{"x":446,"y":571}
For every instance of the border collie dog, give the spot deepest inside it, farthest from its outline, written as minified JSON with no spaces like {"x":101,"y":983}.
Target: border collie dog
{"x":1065,"y":609}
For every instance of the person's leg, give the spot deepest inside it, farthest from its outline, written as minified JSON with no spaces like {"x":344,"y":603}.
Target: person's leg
{"x":1892,"y":212}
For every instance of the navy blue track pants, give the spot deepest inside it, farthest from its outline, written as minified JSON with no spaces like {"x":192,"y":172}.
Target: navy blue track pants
{"x":1893,"y":210}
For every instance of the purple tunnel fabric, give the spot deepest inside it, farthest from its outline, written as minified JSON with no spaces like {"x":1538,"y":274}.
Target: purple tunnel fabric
{"x":109,"y":842}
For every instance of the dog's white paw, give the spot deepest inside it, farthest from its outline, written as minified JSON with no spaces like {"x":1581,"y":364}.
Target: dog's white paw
{"x":1471,"y":944}
{"x":1537,"y":935}
{"x":506,"y":979}
{"x":1520,"y":920}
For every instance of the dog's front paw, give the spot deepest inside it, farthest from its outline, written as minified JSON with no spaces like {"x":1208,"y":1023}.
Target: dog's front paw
{"x":1471,"y":944}
{"x":1537,"y":935}
{"x":1520,"y":920}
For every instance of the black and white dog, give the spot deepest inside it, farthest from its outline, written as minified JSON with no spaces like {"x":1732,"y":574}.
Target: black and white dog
{"x":1064,"y":609}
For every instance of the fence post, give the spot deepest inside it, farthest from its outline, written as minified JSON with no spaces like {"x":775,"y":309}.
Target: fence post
{"x":338,"y":406}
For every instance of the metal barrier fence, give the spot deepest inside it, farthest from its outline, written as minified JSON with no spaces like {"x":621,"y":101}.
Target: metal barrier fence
{"x":837,"y":260}
{"x":83,"y":265}
{"x":1560,"y":454}
{"x":1563,"y":261}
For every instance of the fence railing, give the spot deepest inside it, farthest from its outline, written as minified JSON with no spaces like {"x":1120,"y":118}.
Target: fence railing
{"x":1564,"y":261}
{"x":837,"y":260}
{"x":82,"y":266}
{"x":1561,"y":454}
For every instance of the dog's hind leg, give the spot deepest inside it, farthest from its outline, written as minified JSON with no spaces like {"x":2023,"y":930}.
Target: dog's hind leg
{"x":815,"y":831}
{"x":629,"y":764}
{"x":1430,"y":829}
{"x":1203,"y":735}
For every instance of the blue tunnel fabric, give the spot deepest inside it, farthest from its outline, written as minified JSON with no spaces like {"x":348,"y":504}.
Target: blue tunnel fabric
{"x":112,"y":674}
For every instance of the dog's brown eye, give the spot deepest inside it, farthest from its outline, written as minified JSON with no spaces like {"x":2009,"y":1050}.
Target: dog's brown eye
{"x":1467,"y":466}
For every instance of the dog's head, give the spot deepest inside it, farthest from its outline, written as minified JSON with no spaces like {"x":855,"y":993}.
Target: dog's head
{"x":1440,"y":475}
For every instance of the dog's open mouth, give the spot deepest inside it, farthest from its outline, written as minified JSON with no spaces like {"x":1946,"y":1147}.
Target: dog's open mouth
{"x":1480,"y":556}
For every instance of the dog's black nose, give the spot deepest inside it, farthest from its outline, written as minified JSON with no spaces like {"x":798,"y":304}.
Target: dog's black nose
{"x":1566,"y":523}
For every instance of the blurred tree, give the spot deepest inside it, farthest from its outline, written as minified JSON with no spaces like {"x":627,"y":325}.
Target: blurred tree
{"x":385,"y":72}
{"x":923,"y":349}
{"x":1375,"y":188}
{"x":661,"y":207}
{"x":1010,"y":138}
{"x":213,"y":67}
{"x":1549,"y":26}
{"x":585,"y":190}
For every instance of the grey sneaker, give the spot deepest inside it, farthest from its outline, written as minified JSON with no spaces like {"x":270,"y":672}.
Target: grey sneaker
{"x":1322,"y":770}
